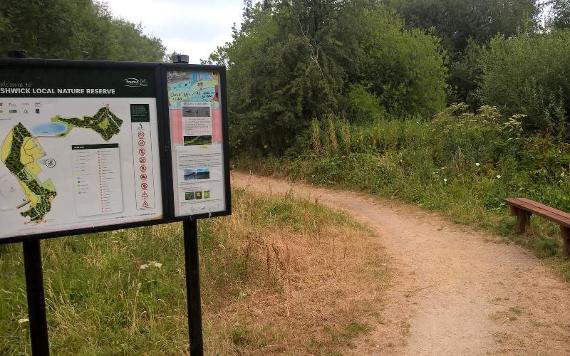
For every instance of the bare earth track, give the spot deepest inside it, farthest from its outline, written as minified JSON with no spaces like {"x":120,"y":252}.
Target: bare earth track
{"x":454,"y":291}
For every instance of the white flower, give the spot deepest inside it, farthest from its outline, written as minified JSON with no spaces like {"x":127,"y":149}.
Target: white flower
{"x":22,"y":321}
{"x":144,"y":266}
{"x":445,"y":180}
{"x":155,"y":264}
{"x":477,"y":164}
{"x":498,"y":176}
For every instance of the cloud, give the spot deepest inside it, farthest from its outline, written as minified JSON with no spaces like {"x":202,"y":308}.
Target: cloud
{"x":191,"y":27}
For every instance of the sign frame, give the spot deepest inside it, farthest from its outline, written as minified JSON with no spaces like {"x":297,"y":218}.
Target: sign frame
{"x":165,"y":154}
{"x":169,"y":188}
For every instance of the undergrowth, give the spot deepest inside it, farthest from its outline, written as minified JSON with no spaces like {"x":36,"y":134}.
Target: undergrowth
{"x":461,"y":163}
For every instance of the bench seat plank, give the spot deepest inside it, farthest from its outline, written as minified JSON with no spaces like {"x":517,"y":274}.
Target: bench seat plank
{"x":560,"y":217}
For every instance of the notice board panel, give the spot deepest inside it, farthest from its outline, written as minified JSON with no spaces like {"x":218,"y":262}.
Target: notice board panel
{"x":79,"y":146}
{"x":198,"y":136}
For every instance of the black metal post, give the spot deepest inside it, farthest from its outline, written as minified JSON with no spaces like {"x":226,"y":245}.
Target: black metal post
{"x":191,"y":262}
{"x":36,"y":299}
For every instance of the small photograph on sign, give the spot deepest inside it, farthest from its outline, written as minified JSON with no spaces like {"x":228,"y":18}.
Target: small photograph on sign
{"x":196,"y":173}
{"x":197,"y":140}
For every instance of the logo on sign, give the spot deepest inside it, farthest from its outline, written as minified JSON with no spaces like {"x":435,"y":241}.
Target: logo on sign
{"x":135,"y":82}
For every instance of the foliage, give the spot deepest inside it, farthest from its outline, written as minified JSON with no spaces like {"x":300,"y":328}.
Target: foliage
{"x":461,"y":163}
{"x":465,"y":75}
{"x":461,"y":21}
{"x":528,"y":75}
{"x":404,"y":69}
{"x":73,"y":29}
{"x":363,"y":106}
{"x":292,"y":62}
{"x":559,"y":16}
{"x":464,"y":26}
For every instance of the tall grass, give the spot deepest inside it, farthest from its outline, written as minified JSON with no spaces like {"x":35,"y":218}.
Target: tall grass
{"x":461,"y":163}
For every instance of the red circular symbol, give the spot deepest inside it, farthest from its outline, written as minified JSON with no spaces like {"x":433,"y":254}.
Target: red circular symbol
{"x":142,"y":168}
{"x":143,"y":176}
{"x":142,"y":160}
{"x":142,"y":152}
{"x":144,"y":186}
{"x":141,"y":134}
{"x":141,"y":142}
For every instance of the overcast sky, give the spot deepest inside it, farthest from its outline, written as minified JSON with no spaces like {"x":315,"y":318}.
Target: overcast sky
{"x":192,"y":27}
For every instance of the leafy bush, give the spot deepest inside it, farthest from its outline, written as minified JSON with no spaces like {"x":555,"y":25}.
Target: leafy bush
{"x":529,"y":75}
{"x":363,"y":105}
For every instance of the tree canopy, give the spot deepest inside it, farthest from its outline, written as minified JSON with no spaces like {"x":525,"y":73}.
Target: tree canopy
{"x":458,"y":21}
{"x":73,"y":29}
{"x":295,"y":61}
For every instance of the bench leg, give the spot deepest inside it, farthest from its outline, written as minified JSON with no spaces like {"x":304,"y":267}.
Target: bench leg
{"x":523,"y":219}
{"x":565,"y":233}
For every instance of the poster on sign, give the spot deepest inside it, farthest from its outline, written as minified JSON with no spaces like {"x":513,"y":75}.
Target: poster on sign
{"x":197,"y":141}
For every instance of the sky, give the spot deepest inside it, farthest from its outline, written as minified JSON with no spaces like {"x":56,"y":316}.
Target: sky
{"x":192,"y":27}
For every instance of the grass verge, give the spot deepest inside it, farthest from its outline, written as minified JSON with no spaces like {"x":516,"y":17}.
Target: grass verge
{"x":278,"y":276}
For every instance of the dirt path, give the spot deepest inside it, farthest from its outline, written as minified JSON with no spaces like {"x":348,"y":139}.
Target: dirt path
{"x":454,"y":291}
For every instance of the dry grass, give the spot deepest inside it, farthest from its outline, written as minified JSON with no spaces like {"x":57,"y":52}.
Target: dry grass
{"x":280,"y":276}
{"x":315,"y":283}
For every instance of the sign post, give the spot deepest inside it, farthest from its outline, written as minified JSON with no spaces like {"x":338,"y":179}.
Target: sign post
{"x":91,"y":146}
{"x":193,"y":299}
{"x":36,"y":299}
{"x":192,"y":270}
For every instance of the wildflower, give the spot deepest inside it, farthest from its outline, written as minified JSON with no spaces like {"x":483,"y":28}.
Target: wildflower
{"x":477,"y":164}
{"x":155,"y":264}
{"x":22,"y":321}
{"x":498,"y":176}
{"x":143,"y":266}
{"x":445,"y":180}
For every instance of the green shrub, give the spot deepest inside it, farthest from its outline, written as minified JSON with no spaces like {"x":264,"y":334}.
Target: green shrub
{"x":363,"y":105}
{"x":529,"y":75}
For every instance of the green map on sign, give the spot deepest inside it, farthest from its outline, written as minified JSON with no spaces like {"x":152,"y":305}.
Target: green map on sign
{"x":104,"y":122}
{"x":21,"y":150}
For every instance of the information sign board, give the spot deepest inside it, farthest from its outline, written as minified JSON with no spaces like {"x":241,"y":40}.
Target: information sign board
{"x":90,"y":146}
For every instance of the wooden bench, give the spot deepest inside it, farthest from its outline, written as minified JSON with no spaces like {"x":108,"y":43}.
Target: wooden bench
{"x":523,"y":208}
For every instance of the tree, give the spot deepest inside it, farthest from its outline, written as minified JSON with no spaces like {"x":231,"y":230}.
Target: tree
{"x":73,"y":29}
{"x":465,"y":25}
{"x":458,"y":21}
{"x":295,"y":61}
{"x":559,"y":16}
